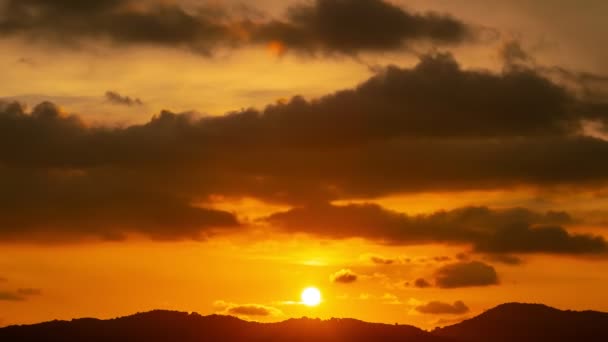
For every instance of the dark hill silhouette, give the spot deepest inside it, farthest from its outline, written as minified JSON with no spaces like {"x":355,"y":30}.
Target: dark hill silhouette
{"x":165,"y":326}
{"x":530,"y":323}
{"x":508,"y":322}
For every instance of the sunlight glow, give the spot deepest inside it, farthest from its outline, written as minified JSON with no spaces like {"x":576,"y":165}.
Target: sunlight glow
{"x":311,"y":296}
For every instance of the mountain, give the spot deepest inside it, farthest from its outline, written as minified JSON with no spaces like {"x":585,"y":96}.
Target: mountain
{"x":507,"y":322}
{"x":530,"y":323}
{"x":165,"y":326}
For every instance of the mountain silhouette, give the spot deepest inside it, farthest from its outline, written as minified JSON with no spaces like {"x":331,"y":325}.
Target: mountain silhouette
{"x":508,"y":322}
{"x":165,"y":326}
{"x":517,"y":322}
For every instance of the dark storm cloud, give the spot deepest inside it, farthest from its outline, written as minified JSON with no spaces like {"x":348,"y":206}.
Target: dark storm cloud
{"x":489,"y":231}
{"x":340,"y":26}
{"x":352,"y":26}
{"x":433,"y":127}
{"x":465,"y":274}
{"x":440,"y":308}
{"x":116,"y":98}
{"x":344,"y":276}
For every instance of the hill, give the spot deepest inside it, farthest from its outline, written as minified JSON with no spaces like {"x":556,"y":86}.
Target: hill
{"x":165,"y":326}
{"x":507,"y":322}
{"x":530,"y":323}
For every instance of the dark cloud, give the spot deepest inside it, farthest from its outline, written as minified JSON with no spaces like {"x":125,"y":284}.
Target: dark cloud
{"x":116,"y":98}
{"x":436,"y":98}
{"x":503,"y":231}
{"x":421,"y":283}
{"x":465,"y":274}
{"x":29,"y":292}
{"x":341,"y":26}
{"x":440,"y":308}
{"x":353,"y":26}
{"x":549,"y":239}
{"x":433,"y":127}
{"x":89,"y":202}
{"x":442,"y":258}
{"x":593,"y":87}
{"x":513,"y":54}
{"x":120,"y":21}
{"x":19,"y":295}
{"x":11,"y":296}
{"x":380,"y":260}
{"x":344,"y":276}
{"x":248,"y":310}
{"x":505,"y":259}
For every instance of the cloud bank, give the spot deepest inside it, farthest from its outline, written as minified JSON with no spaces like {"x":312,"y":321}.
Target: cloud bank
{"x":329,"y":26}
{"x":432,"y":127}
{"x":491,"y":231}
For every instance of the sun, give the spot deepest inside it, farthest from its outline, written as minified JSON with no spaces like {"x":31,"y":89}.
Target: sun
{"x":311,"y":296}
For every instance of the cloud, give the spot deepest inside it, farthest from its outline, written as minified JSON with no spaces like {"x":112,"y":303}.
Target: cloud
{"x":118,"y":99}
{"x":465,"y":274}
{"x":492,"y":231}
{"x":20,"y":295}
{"x":353,"y":26}
{"x":422,"y":283}
{"x":29,"y":292}
{"x":11,"y":297}
{"x":442,"y":258}
{"x":440,"y":308}
{"x":161,"y":23}
{"x":391,"y":299}
{"x":378,"y":259}
{"x":505,"y":259}
{"x":446,"y":128}
{"x":340,"y":26}
{"x":593,"y":87}
{"x":3,"y":280}
{"x":513,"y":54}
{"x":344,"y":276}
{"x":248,"y":310}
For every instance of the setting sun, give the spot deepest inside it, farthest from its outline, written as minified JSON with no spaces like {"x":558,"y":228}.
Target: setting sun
{"x":311,"y":296}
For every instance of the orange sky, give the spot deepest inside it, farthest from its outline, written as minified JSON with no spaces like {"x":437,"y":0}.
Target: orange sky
{"x":390,"y":175}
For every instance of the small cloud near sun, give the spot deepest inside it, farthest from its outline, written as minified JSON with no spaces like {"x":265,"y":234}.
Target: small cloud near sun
{"x":344,"y":276}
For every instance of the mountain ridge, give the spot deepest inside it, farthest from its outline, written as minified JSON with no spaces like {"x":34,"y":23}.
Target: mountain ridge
{"x":507,"y":322}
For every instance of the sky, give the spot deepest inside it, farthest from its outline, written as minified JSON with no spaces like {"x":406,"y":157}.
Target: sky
{"x":418,"y":162}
